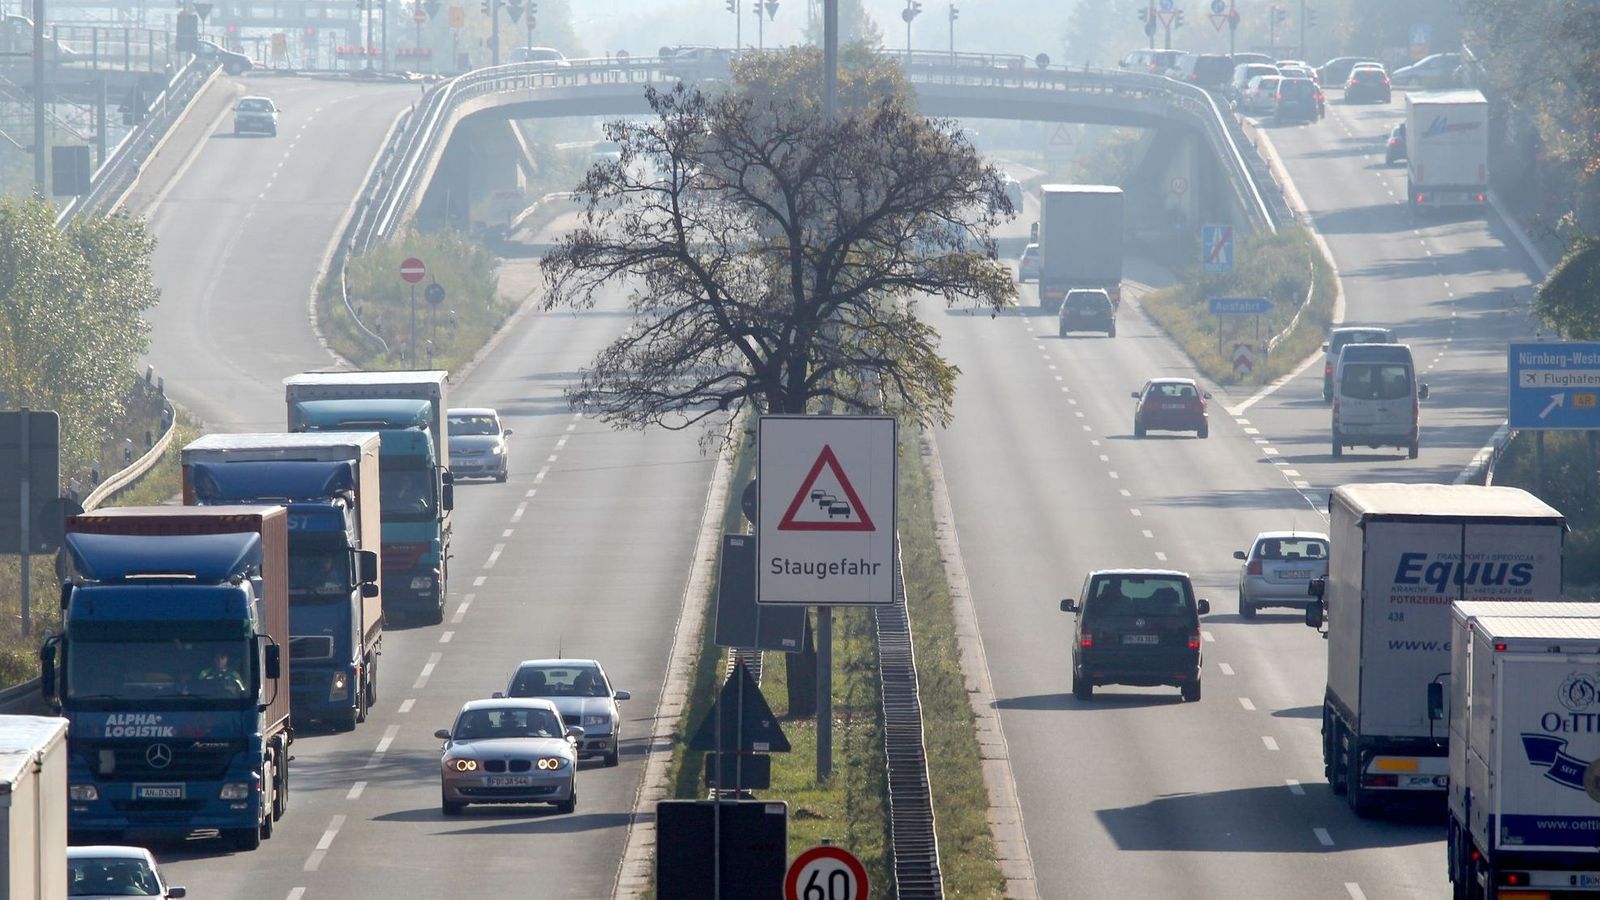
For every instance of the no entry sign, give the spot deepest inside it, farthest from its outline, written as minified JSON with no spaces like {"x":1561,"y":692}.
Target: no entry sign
{"x":412,"y":270}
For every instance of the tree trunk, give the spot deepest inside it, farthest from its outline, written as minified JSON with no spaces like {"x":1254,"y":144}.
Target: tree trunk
{"x":802,"y":676}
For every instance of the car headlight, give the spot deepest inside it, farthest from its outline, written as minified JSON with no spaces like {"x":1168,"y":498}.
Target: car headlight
{"x":83,"y":793}
{"x":339,"y":688}
{"x":596,"y":720}
{"x":553,"y":763}
{"x":497,"y":450}
{"x":462,"y":765}
{"x":237,"y":790}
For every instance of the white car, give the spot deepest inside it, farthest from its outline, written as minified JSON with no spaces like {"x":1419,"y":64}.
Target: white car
{"x":580,"y":690}
{"x":548,"y":56}
{"x":108,"y":870}
{"x":478,"y":447}
{"x":1279,"y":568}
{"x":508,"y":751}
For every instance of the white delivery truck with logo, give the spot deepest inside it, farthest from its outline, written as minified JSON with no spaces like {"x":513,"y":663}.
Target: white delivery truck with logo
{"x":33,"y":793}
{"x":1400,"y":555}
{"x":1447,"y":149}
{"x":1524,"y":724}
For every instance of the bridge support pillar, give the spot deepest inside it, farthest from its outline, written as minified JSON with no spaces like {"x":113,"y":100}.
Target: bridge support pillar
{"x":480,"y":179}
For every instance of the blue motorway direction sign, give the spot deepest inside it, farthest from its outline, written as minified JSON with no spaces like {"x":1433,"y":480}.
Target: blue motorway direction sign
{"x":1554,"y":386}
{"x":1240,"y":306}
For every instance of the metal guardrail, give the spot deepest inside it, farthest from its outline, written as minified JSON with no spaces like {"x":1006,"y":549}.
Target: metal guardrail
{"x":912,"y":839}
{"x":121,"y":48}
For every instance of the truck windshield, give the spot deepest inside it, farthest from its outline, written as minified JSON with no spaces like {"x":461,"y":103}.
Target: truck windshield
{"x":406,"y":493}
{"x":151,"y":670}
{"x":318,"y":573}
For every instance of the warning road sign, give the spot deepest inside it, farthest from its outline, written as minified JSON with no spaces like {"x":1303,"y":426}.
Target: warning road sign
{"x":825,"y":510}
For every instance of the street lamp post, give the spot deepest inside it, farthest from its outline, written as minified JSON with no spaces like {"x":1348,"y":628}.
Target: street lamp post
{"x":912,"y":10}
{"x":954,"y":13}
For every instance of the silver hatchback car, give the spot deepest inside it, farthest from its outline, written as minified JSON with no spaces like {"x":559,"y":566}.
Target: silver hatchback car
{"x":1279,"y":568}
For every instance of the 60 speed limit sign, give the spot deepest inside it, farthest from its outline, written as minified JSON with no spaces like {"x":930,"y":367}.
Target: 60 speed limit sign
{"x":826,"y":873}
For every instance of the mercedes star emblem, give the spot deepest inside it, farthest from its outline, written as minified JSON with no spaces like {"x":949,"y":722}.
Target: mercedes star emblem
{"x":1138,"y":623}
{"x":159,"y":756}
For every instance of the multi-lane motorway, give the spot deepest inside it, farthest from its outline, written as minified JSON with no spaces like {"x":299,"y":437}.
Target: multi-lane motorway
{"x":586,"y":549}
{"x":1134,"y":794}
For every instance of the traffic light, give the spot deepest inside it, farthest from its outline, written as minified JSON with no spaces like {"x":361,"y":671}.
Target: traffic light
{"x":733,"y":6}
{"x":954,"y":12}
{"x":1177,"y":19}
{"x":1144,"y":13}
{"x":488,"y":10}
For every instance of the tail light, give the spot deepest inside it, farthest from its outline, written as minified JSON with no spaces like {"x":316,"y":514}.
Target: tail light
{"x":1380,"y":780}
{"x":1327,"y":370}
{"x":1254,"y":568}
{"x":1422,"y":198}
{"x":1480,"y":198}
{"x":1086,"y":641}
{"x":1278,"y":96}
{"x":1514,"y":879}
{"x":1386,"y":82}
{"x":1194,"y":639}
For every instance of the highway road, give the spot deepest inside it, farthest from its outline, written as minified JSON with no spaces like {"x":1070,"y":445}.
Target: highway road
{"x":584,"y":551}
{"x":1134,"y":794}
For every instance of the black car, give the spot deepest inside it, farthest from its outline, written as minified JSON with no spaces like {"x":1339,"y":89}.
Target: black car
{"x":1137,"y":627}
{"x":1396,"y":149}
{"x":1087,"y":310}
{"x":231,"y":62}
{"x":1207,"y":70}
{"x":1367,"y":83}
{"x":1298,"y":99}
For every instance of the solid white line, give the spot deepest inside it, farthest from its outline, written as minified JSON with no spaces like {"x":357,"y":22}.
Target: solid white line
{"x":1295,"y":788}
{"x":406,"y":704}
{"x":1271,"y":744}
{"x":1225,"y":668}
{"x":383,"y":745}
{"x":336,"y":823}
{"x":494,"y":556}
{"x":1354,"y":890}
{"x":521,"y":508}
{"x":445,"y":637}
{"x":355,"y":790}
{"x":1248,"y":706}
{"x":1323,"y":837}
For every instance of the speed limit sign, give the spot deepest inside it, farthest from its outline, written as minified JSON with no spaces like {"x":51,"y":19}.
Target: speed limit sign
{"x":826,"y":873}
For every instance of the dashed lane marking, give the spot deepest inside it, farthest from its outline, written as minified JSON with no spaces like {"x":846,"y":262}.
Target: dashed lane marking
{"x":1125,"y":492}
{"x":1208,"y":636}
{"x":1268,"y":740}
{"x":1136,"y":513}
{"x":494,"y":556}
{"x":388,"y":737}
{"x":1294,"y":787}
{"x":446,"y":636}
{"x":461,"y":611}
{"x":406,"y":704}
{"x":296,"y":893}
{"x":1323,"y":837}
{"x":1354,"y":890}
{"x":478,"y":580}
{"x":1148,"y":533}
{"x":1161,"y":557}
{"x":1225,"y":668}
{"x":521,"y":509}
{"x":355,"y":790}
{"x":507,"y":533}
{"x":1248,"y":706}
{"x":427,"y":671}
{"x":314,"y":861}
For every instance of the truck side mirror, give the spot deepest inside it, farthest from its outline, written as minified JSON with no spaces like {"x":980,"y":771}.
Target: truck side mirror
{"x":47,"y":670}
{"x":274,"y":662}
{"x":1314,"y":615}
{"x":66,"y":594}
{"x":1317,"y":587}
{"x":447,"y":497}
{"x":1069,"y":605}
{"x":368,"y":590}
{"x":1422,"y":392}
{"x":1435,"y":702}
{"x":1204,"y":606}
{"x":367,"y":567}
{"x":507,"y":433}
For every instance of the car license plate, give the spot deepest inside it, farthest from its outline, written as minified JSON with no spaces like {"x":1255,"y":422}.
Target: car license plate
{"x":158,"y":791}
{"x":1296,"y":574}
{"x":510,"y":780}
{"x":1172,"y":406}
{"x":1141,"y":639}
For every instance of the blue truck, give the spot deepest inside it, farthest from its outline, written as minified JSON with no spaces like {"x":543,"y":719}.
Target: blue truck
{"x":169,"y":669}
{"x":408,"y":410}
{"x":329,"y":484}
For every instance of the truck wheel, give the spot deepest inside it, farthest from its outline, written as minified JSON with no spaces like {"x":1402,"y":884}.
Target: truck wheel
{"x":1190,"y":692}
{"x":1333,"y":753}
{"x":242,"y":838}
{"x":1364,"y":804}
{"x":372,"y":682}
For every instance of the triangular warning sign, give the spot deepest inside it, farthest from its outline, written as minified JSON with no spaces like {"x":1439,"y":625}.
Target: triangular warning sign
{"x":755,"y":731}
{"x":826,"y":503}
{"x":1166,"y":16}
{"x":1061,"y":138}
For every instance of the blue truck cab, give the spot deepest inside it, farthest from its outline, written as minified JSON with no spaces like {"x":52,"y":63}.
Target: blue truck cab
{"x":416,"y":493}
{"x":169,"y":669}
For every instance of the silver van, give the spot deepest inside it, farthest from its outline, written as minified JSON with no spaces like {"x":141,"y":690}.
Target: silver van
{"x":1375,"y":398}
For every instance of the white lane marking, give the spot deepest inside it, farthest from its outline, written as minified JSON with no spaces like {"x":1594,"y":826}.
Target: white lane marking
{"x":494,"y":556}
{"x":551,"y":458}
{"x":1208,"y":635}
{"x":562,"y":442}
{"x":1161,"y":557}
{"x":355,"y":790}
{"x":1112,"y":474}
{"x":507,"y":532}
{"x":1058,"y":377}
{"x":1095,"y":443}
{"x":1323,"y":837}
{"x":406,"y":704}
{"x":1252,"y":431}
{"x":1136,"y":513}
{"x":479,"y":580}
{"x":1302,"y":485}
{"x":1270,"y":451}
{"x":1105,"y":458}
{"x":427,"y":671}
{"x":336,"y":823}
{"x":1291,"y":473}
{"x":1241,"y":421}
{"x":1248,"y":706}
{"x":572,"y":427}
{"x":1225,"y":668}
{"x":1262,"y":441}
{"x":296,"y":893}
{"x":1071,"y":402}
{"x":1271,"y":744}
{"x":1078,"y":413}
{"x":1294,"y":787}
{"x":521,"y":509}
{"x":530,"y":492}
{"x":445,"y":637}
{"x":1148,"y":533}
{"x":1125,"y":492}
{"x":539,"y":476}
{"x":1052,"y":367}
{"x":1354,"y":890}
{"x":386,"y":740}
{"x":1087,"y":428}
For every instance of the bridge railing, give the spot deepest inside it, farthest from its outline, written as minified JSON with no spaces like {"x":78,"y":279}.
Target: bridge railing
{"x":115,"y":47}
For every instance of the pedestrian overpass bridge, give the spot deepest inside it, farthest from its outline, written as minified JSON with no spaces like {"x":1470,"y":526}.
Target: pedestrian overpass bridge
{"x":457,"y":148}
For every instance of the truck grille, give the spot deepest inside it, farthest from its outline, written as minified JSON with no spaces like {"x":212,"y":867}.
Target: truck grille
{"x":132,"y":762}
{"x":403,"y":557}
{"x":311,"y":647}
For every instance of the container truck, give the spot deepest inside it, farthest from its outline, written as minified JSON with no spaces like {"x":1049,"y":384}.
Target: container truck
{"x":1400,"y":555}
{"x":168,"y":667}
{"x":408,"y":411}
{"x":1524,"y":807}
{"x":1080,"y":241}
{"x":1447,"y":149}
{"x":33,"y":792}
{"x":328,"y":482}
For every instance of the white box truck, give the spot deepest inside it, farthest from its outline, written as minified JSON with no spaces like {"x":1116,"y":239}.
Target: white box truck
{"x":1524,"y":725}
{"x":1400,"y":555}
{"x":1447,"y":149}
{"x":1080,"y":241}
{"x":33,"y":790}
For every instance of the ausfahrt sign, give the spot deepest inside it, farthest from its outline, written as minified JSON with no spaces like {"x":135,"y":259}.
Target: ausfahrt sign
{"x":825,"y":510}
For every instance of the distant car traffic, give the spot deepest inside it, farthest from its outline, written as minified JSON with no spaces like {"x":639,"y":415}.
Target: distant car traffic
{"x":231,"y":62}
{"x":1171,"y":404}
{"x":1150,"y":60}
{"x":1338,"y":339}
{"x":583,"y":695}
{"x":1243,"y":74}
{"x":1436,"y":71}
{"x":1207,"y":70}
{"x":1136,"y":627}
{"x":1279,"y":568}
{"x":546,"y":55}
{"x":508,"y":750}
{"x":256,"y":115}
{"x":1337,"y":70}
{"x":478,"y":446}
{"x":1260,"y":95}
{"x":1297,"y":99}
{"x":1028,"y":264}
{"x":1395,"y":147}
{"x":1087,"y":309}
{"x":107,"y":870}
{"x":1367,"y":82}
{"x":1013,"y":189}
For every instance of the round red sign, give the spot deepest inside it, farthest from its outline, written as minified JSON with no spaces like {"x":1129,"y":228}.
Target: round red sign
{"x":826,"y":873}
{"x":412,"y":270}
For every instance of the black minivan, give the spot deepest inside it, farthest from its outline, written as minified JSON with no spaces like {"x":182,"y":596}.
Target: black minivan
{"x":1138,"y":627}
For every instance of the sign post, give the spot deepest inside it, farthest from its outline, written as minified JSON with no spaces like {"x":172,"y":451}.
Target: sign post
{"x":1238,"y":306}
{"x":412,"y":271}
{"x":825,"y":527}
{"x":30,"y":478}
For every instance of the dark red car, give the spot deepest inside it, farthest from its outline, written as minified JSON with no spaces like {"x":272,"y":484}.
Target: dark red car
{"x":1171,"y":404}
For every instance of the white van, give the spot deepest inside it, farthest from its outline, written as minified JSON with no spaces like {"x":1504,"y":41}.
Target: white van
{"x":1375,"y":398}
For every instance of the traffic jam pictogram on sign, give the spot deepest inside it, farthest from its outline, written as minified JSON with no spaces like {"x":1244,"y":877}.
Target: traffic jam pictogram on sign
{"x":826,"y":500}
{"x":826,"y":873}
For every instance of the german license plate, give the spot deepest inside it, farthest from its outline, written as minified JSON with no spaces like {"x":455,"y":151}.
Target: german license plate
{"x":510,"y":780}
{"x":1296,"y":574}
{"x":1141,"y":639}
{"x":1172,"y":406}
{"x":158,"y":791}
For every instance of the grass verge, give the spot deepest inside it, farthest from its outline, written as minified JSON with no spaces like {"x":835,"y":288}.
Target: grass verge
{"x":1280,"y":267}
{"x":1566,"y":480}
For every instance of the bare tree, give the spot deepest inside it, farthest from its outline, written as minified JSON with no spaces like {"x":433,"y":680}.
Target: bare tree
{"x":779,"y":255}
